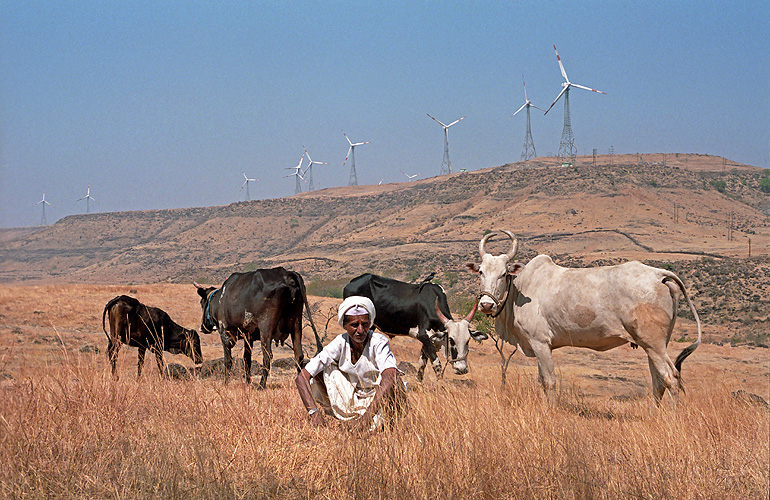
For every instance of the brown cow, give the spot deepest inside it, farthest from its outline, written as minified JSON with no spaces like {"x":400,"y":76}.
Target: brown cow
{"x":146,"y":327}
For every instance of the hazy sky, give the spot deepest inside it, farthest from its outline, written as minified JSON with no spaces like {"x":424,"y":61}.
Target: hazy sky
{"x":162,"y":104}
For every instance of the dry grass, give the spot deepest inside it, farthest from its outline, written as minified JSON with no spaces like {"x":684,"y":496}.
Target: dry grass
{"x":68,"y":430}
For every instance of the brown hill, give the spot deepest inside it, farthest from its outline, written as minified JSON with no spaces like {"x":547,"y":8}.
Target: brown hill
{"x":697,"y":214}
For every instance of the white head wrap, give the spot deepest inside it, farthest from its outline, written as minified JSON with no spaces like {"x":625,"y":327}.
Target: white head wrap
{"x":352,"y":305}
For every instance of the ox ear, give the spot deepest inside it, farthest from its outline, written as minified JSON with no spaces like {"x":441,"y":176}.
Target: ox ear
{"x":514,"y":268}
{"x":479,"y":336}
{"x":201,"y":291}
{"x":472,"y":266}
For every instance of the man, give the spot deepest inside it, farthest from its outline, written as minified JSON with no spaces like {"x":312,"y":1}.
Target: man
{"x":354,"y":378}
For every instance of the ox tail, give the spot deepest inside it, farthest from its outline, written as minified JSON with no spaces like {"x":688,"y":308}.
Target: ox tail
{"x":104,"y":314}
{"x":690,"y":348}
{"x":319,"y":345}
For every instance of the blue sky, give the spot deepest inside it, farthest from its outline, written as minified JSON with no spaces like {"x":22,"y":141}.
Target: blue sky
{"x":162,"y":104}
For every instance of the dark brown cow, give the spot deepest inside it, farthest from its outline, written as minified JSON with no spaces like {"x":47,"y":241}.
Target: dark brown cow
{"x":146,"y":327}
{"x":264,"y":305}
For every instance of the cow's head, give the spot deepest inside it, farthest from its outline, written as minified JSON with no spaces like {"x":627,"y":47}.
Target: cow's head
{"x":190,"y":343}
{"x":494,"y":272}
{"x":208,"y":324}
{"x":456,"y":338}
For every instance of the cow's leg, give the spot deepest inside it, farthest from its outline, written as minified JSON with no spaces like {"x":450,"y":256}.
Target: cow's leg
{"x":421,"y":365}
{"x":267,"y":357}
{"x":227,"y":347}
{"x":159,"y":360}
{"x":113,"y":348}
{"x":664,"y":376}
{"x":140,"y":361}
{"x":429,"y":350}
{"x":545,"y":370}
{"x":248,"y":346}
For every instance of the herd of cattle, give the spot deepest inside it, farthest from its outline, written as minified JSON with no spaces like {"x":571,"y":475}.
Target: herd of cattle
{"x":537,"y":307}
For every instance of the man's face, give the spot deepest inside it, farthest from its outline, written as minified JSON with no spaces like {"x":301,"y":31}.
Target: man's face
{"x":358,"y":328}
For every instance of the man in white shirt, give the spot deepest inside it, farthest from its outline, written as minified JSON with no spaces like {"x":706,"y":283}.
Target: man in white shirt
{"x":359,"y":373}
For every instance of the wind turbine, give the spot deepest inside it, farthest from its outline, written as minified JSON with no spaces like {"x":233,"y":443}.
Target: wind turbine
{"x":298,"y":174}
{"x":246,"y":184}
{"x":528,"y":152}
{"x":567,"y":150}
{"x":88,"y":198}
{"x":308,"y":173}
{"x":353,"y":179}
{"x":43,"y":221}
{"x":446,"y":163}
{"x":410,"y":177}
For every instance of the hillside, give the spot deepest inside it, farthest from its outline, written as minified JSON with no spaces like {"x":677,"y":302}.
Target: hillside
{"x":678,"y":215}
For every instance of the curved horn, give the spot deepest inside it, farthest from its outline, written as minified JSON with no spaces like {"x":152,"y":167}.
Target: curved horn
{"x":483,"y":242}
{"x":514,"y":244}
{"x":441,"y":317}
{"x":197,"y":285}
{"x":470,"y":315}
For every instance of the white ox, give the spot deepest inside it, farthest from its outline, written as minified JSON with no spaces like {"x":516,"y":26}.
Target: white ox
{"x":541,"y":306}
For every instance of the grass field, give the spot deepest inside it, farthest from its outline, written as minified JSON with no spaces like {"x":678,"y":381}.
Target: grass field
{"x":68,"y":430}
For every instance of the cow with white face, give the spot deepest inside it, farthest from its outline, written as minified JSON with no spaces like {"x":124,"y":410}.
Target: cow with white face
{"x":541,"y":306}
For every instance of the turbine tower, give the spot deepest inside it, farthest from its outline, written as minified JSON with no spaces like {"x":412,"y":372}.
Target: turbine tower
{"x":528,"y":151}
{"x":297,"y":174}
{"x":308,"y":173}
{"x":446,"y":163}
{"x":567,"y":150}
{"x":246,"y":184}
{"x":43,"y":221}
{"x":353,"y":179}
{"x":88,"y":198}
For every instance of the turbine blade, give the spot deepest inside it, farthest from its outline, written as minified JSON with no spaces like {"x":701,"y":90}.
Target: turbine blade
{"x":541,"y":109}
{"x":525,"y":88}
{"x":587,"y":88}
{"x":459,"y":119}
{"x":348,"y":155}
{"x":557,"y":98}
{"x":522,"y":107}
{"x":561,"y":66}
{"x":437,"y":121}
{"x":362,"y":143}
{"x":346,"y":137}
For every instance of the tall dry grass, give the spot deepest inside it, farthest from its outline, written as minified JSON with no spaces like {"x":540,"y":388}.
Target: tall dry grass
{"x":71,"y":431}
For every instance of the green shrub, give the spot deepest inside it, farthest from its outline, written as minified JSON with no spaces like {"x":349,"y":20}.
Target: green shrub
{"x":719,"y":185}
{"x":764,"y":184}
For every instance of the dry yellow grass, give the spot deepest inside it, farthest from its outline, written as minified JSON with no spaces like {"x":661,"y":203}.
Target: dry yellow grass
{"x":68,"y":430}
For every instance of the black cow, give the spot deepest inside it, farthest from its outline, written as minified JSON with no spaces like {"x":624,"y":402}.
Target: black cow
{"x":420,"y":311}
{"x":265,"y":304}
{"x":146,"y":327}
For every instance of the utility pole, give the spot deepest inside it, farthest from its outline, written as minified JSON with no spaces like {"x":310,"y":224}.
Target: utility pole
{"x":730,"y":231}
{"x":594,"y":157}
{"x":612,"y":155}
{"x":749,"y":246}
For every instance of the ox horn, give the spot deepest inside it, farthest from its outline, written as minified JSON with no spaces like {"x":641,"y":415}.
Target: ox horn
{"x":483,"y":243}
{"x":197,"y":285}
{"x":441,"y":317}
{"x":514,"y":244}
{"x":470,"y":315}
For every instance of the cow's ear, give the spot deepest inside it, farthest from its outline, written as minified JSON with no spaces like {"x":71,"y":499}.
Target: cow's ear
{"x":514,"y":268}
{"x":202,"y":292}
{"x":472,"y":266}
{"x":479,"y":336}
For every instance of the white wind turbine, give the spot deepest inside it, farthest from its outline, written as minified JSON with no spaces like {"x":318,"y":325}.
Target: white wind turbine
{"x":88,"y":198}
{"x":567,"y":150}
{"x":410,"y":177}
{"x":43,"y":221}
{"x":528,"y":152}
{"x":297,"y":174}
{"x":308,"y":173}
{"x":246,"y":184}
{"x":446,"y":163}
{"x":353,"y":179}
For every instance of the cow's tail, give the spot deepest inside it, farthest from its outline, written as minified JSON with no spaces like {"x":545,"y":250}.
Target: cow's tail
{"x":319,"y":345}
{"x":690,"y":348}
{"x":104,"y":314}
